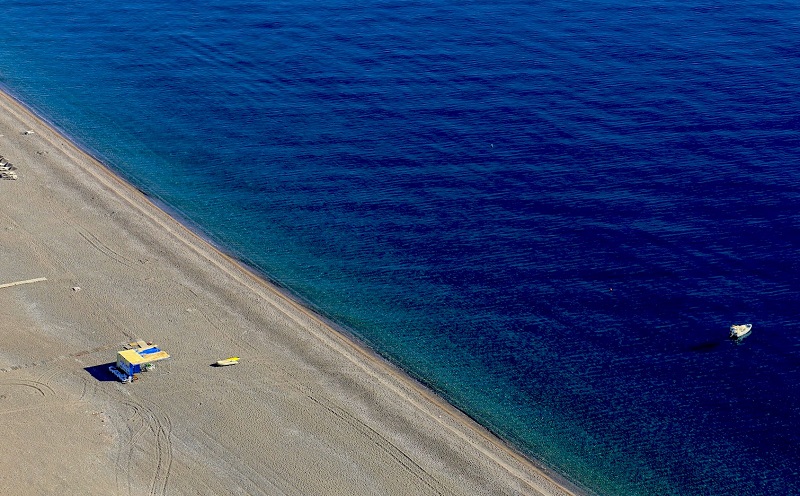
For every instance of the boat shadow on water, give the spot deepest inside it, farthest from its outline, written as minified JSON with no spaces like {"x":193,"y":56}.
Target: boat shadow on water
{"x":706,"y":347}
{"x":709,"y":346}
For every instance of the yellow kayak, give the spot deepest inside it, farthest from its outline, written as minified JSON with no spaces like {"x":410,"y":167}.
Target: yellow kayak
{"x":228,"y":361}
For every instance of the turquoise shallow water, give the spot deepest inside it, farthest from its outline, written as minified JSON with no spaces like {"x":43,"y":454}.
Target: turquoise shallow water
{"x":550,"y":214}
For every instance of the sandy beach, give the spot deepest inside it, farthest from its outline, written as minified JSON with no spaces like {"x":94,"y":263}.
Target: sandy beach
{"x":306,"y":412}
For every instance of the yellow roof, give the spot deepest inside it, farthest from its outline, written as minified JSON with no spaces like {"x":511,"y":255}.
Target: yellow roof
{"x":131,"y":356}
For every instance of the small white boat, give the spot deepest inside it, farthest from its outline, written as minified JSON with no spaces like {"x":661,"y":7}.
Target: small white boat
{"x":227,"y":361}
{"x":740,"y":331}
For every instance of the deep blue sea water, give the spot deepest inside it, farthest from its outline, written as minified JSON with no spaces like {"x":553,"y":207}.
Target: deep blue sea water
{"x":549,"y":212}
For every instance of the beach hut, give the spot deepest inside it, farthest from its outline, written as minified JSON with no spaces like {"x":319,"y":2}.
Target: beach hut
{"x":135,"y":361}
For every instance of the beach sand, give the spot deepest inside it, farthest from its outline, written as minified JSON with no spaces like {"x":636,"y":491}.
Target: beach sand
{"x":306,"y":412}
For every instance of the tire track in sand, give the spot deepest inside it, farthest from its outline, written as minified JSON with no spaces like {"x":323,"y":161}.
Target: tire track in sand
{"x":147,"y":420}
{"x":104,"y":248}
{"x":380,"y":441}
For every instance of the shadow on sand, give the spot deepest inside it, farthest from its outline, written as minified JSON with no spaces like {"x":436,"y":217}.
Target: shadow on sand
{"x":101,"y":373}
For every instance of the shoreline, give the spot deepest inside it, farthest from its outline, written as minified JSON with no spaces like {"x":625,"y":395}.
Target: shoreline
{"x":234,"y":302}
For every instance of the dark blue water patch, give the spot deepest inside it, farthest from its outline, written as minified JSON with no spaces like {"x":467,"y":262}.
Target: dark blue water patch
{"x":550,"y":213}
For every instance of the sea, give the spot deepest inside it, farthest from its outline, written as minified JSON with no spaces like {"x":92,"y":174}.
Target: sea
{"x":548,"y":212}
